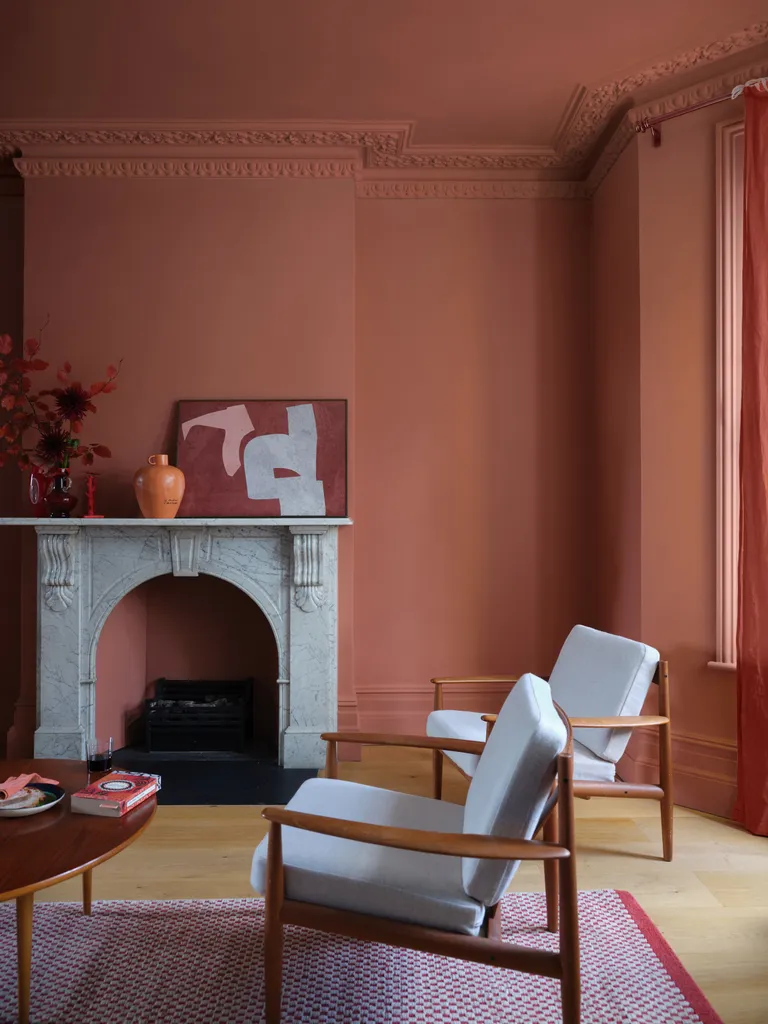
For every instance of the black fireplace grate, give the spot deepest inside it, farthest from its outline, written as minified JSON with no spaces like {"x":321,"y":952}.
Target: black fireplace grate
{"x":199,"y":714}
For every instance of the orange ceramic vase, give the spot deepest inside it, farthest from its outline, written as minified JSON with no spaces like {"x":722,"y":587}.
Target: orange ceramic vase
{"x":159,"y":488}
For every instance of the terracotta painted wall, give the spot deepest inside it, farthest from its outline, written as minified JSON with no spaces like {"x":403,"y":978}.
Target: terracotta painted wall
{"x":11,"y":301}
{"x":615,"y":413}
{"x":471,"y":475}
{"x":656,"y":348}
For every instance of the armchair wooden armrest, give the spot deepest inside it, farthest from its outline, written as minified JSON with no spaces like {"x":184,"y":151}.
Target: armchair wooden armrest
{"x":440,"y":681}
{"x":451,"y":844}
{"x":619,"y":722}
{"x":615,"y":722}
{"x":385,"y":739}
{"x":447,"y":680}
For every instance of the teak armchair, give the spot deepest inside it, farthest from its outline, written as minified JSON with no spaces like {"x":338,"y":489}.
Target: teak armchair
{"x":601,"y":681}
{"x":425,"y":874}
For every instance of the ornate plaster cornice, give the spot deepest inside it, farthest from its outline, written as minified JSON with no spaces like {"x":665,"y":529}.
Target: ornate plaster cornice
{"x":593,"y":114}
{"x":248,"y":149}
{"x":199,"y":134}
{"x":388,"y":147}
{"x":76,"y":167}
{"x":468,"y":189}
{"x":698,"y":93}
{"x":712,"y":88}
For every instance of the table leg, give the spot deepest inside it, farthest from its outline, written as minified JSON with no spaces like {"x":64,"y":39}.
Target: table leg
{"x":87,"y":880}
{"x":24,"y":906}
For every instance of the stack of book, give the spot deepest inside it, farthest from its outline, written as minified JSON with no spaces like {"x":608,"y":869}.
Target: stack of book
{"x":115,"y":794}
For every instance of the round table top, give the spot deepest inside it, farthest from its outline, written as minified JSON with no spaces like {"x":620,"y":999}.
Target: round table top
{"x":42,"y":849}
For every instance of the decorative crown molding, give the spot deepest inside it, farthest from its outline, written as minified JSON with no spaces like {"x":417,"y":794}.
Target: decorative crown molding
{"x":247,"y":149}
{"x":592,"y":116}
{"x":710,"y":89}
{"x":77,"y":167}
{"x":441,"y":189}
{"x":194,"y":134}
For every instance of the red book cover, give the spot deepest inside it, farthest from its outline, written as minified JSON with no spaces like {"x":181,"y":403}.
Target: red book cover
{"x":115,"y":794}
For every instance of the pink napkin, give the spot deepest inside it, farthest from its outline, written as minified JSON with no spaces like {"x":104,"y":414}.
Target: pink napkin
{"x":12,"y":785}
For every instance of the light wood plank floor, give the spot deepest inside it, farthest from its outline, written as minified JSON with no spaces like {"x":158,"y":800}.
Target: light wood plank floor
{"x":711,"y":903}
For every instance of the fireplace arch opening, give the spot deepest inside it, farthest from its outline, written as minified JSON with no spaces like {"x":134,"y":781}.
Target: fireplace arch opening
{"x":202,"y":631}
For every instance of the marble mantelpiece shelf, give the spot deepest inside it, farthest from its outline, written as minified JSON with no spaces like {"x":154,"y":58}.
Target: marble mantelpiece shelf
{"x":74,"y":521}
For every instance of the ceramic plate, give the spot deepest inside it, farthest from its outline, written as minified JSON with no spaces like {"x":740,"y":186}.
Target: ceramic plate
{"x":55,"y":794}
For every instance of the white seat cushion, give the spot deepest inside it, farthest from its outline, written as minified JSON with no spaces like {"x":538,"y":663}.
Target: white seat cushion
{"x":600,"y":675}
{"x":588,"y":767}
{"x":421,"y":888}
{"x":458,"y":725}
{"x":469,"y":725}
{"x":512,"y":781}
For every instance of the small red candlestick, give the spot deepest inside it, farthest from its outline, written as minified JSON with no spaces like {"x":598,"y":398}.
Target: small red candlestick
{"x":90,"y":493}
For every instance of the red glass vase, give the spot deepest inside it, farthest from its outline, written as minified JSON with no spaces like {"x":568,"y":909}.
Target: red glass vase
{"x":59,"y":499}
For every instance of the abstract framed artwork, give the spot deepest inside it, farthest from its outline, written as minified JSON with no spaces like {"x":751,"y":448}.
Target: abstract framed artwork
{"x":263,"y":457}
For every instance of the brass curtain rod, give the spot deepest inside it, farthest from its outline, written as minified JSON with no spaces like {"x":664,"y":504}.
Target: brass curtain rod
{"x":651,"y":124}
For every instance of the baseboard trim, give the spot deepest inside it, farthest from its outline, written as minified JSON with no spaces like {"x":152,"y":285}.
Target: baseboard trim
{"x":704,"y":769}
{"x":404,"y":709}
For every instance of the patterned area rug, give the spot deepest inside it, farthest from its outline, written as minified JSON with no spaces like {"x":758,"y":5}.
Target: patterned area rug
{"x":199,"y":962}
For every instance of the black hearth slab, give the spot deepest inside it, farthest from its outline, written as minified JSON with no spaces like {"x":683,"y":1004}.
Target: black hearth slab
{"x":231,"y":781}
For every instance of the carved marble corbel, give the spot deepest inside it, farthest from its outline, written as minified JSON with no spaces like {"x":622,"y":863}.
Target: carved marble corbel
{"x":189,"y":546}
{"x":308,"y":590}
{"x":57,"y":568}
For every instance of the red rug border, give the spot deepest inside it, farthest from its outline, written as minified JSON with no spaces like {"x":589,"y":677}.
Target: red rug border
{"x":670,"y":960}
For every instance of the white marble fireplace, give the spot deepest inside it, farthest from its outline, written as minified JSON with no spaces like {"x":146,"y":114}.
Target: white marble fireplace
{"x":287,"y":566}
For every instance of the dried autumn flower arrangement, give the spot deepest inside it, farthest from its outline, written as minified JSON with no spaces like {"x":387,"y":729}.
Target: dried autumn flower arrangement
{"x":56,"y":414}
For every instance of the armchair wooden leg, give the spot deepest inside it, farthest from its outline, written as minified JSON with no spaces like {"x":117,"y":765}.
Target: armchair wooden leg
{"x":569,"y":942}
{"x":665,"y":763}
{"x":273,"y":927}
{"x":551,"y":880}
{"x":569,"y":904}
{"x":667,"y":824}
{"x":493,"y":921}
{"x":437,"y":774}
{"x":87,"y":890}
{"x":24,"y":910}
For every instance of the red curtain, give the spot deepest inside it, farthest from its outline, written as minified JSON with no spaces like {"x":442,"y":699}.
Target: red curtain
{"x":752,"y":644}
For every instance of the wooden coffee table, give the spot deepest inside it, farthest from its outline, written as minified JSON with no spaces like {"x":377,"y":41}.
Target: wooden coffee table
{"x":46,"y":848}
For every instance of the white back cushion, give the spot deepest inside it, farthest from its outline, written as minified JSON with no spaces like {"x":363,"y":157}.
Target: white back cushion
{"x":512,"y":781}
{"x":600,"y":675}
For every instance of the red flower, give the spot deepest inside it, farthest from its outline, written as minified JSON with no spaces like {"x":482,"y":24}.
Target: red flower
{"x":54,"y":445}
{"x":6,"y":344}
{"x":73,"y":402}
